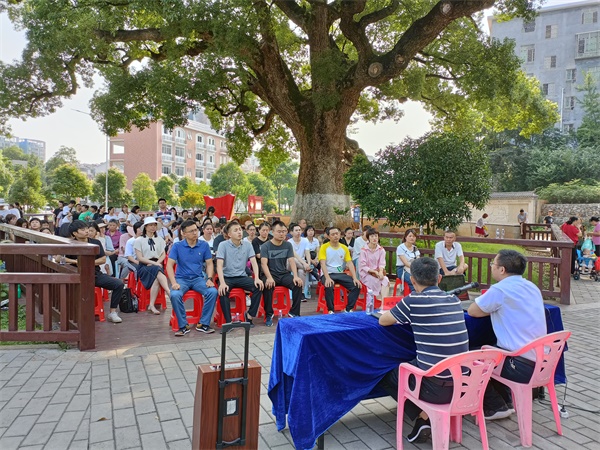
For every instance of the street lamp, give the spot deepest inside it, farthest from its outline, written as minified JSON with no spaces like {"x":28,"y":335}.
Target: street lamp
{"x":107,"y":160}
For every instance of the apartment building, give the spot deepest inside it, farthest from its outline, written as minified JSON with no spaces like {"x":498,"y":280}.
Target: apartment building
{"x":558,"y":47}
{"x":29,"y":146}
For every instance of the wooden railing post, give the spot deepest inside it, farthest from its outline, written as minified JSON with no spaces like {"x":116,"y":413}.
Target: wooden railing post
{"x":564,"y":273}
{"x":86,"y":319}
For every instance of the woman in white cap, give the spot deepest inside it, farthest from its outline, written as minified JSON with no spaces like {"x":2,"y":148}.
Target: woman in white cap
{"x":150,"y":253}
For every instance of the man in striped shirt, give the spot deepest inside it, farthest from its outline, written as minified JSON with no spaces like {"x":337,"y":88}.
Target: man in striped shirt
{"x":438,"y":324}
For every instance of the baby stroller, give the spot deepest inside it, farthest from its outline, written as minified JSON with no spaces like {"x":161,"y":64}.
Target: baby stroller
{"x":587,"y":264}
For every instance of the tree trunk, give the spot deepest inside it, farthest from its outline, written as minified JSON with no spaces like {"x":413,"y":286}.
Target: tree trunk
{"x":320,"y":186}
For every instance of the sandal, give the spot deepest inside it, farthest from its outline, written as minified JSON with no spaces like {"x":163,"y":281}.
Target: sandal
{"x":154,"y":311}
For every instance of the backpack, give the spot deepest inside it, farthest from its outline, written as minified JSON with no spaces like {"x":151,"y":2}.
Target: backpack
{"x":128,"y":302}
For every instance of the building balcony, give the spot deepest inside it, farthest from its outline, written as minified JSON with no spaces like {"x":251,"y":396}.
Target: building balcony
{"x":180,"y":159}
{"x":167,"y":138}
{"x":179,"y":140}
{"x":199,"y":180}
{"x":210,"y":165}
{"x":200,"y":145}
{"x":199,"y":164}
{"x":167,"y":158}
{"x":211,"y":148}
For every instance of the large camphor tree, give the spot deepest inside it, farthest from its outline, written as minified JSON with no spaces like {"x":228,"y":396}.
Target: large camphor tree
{"x":284,"y":76}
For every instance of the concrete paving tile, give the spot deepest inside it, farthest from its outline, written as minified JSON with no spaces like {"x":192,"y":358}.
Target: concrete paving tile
{"x":10,"y":443}
{"x":39,"y":434}
{"x":60,"y":440}
{"x":79,"y":403}
{"x":105,"y":445}
{"x":174,"y":430}
{"x":47,"y":390}
{"x":167,"y":411}
{"x":124,"y":417}
{"x":148,"y":423}
{"x":20,"y":399}
{"x":121,"y":401}
{"x":52,"y":413}
{"x":21,"y":426}
{"x":162,"y":394}
{"x":101,"y":431}
{"x":8,"y":416}
{"x":153,"y":441}
{"x":70,"y":421}
{"x":127,"y":437}
{"x":102,"y":411}
{"x":63,"y":395}
{"x":271,"y":435}
{"x":183,"y":444}
{"x":144,"y":405}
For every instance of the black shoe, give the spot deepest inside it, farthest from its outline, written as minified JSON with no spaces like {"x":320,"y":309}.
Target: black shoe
{"x":501,"y":413}
{"x":204,"y":329}
{"x":248,"y":320}
{"x":420,"y":432}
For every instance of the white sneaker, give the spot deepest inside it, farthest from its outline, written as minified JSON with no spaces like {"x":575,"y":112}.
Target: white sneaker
{"x":114,"y":318}
{"x":248,"y":302}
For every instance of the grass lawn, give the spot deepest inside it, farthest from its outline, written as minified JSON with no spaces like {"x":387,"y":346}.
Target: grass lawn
{"x":21,"y":326}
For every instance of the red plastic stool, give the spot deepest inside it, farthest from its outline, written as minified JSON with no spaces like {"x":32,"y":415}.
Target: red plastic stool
{"x":406,"y":288}
{"x":239,"y":296}
{"x":144,"y":298}
{"x":98,"y":304}
{"x":339,"y":301}
{"x":105,"y":294}
{"x":192,"y":315}
{"x":131,"y":283}
{"x":281,"y":300}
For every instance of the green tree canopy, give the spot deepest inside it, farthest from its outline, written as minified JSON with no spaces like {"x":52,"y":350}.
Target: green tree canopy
{"x":117,"y":188}
{"x":193,"y":195}
{"x":588,"y":132}
{"x":67,"y":182}
{"x":432,"y":181}
{"x":6,"y":175}
{"x":27,"y":188}
{"x":225,"y":177}
{"x":14,"y":153}
{"x":64,"y":155}
{"x":143,"y":191}
{"x":262,"y":186}
{"x":286,"y":75}
{"x":165,"y":188}
{"x":282,"y":176}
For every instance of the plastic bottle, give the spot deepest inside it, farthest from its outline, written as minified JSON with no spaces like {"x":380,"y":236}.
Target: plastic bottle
{"x":62,"y":260}
{"x":421,"y":230}
{"x":502,"y":233}
{"x":280,"y":314}
{"x":497,"y":233}
{"x":237,"y":317}
{"x":370,"y":301}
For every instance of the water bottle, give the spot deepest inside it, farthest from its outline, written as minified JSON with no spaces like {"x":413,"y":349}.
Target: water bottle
{"x":497,"y":233}
{"x":502,"y":233}
{"x":62,"y":260}
{"x":280,"y":314}
{"x":237,"y":317}
{"x":421,"y":230}
{"x":370,"y":301}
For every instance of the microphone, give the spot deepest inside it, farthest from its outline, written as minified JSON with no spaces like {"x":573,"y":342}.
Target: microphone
{"x":461,"y":289}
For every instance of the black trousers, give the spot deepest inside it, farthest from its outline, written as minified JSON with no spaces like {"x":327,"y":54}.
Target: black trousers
{"x":247,"y":284}
{"x":343,"y":280}
{"x":432,"y":390}
{"x":112,"y":284}
{"x":286,"y":281}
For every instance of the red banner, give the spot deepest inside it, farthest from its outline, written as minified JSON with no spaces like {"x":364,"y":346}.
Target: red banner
{"x":223,"y":205}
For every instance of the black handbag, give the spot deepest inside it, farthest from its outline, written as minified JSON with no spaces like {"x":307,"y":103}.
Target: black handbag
{"x":128,"y":302}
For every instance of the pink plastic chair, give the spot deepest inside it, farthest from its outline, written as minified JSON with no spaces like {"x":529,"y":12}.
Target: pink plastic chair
{"x":548,"y":350}
{"x":446,"y":419}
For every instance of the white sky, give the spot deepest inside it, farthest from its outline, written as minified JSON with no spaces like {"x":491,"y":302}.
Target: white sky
{"x":74,"y":129}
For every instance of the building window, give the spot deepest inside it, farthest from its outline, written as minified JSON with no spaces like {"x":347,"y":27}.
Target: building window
{"x":588,"y":45}
{"x":179,"y":133}
{"x":199,"y":157}
{"x":180,"y":152}
{"x":223,"y":144}
{"x":211,"y":159}
{"x":551,"y":31}
{"x":529,"y":27}
{"x":118,"y":148}
{"x":199,"y":139}
{"x":571,"y":74}
{"x":208,"y":176}
{"x":179,"y":171}
{"x":211,"y":141}
{"x":568,"y":127}
{"x":570,"y":102}
{"x":595,"y":73}
{"x":550,"y":62}
{"x":166,"y":170}
{"x":119,"y":166}
{"x":528,"y":53}
{"x":199,"y":173}
{"x":548,"y":89}
{"x":166,"y":149}
{"x":166,"y":130}
{"x":589,"y":16}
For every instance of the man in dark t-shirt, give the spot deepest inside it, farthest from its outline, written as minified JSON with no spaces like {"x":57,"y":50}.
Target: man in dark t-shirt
{"x":275,"y":255}
{"x":78,"y":230}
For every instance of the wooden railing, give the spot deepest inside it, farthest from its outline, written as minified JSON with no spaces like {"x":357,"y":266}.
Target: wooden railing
{"x":537,"y":231}
{"x":58,"y":299}
{"x":552,"y":274}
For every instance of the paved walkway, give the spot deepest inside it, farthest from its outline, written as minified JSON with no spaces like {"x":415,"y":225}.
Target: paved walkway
{"x":142,"y":397}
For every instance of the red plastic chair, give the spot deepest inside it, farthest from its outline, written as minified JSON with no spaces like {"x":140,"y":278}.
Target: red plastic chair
{"x":99,"y":304}
{"x":339,"y":300}
{"x":192,"y":315}
{"x":132,"y":284}
{"x":406,"y":288}
{"x":239,"y":296}
{"x":281,"y":300}
{"x":446,"y":419}
{"x":143,"y":295}
{"x":548,"y":350}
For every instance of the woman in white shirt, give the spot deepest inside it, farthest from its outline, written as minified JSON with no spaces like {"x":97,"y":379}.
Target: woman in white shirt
{"x":133,"y":216}
{"x":111,"y":215}
{"x":150,"y":254}
{"x":359,"y":243}
{"x":208,"y":234}
{"x":406,"y":253}
{"x":251,"y":230}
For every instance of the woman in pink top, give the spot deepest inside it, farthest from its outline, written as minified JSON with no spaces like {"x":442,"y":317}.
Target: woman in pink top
{"x":371,"y":264}
{"x":596,"y":234}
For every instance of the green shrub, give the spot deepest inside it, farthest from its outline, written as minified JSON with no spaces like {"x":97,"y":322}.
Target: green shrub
{"x":575,"y":191}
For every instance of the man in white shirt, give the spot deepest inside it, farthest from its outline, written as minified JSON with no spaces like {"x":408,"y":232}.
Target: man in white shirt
{"x":123,"y":218}
{"x":516,"y":308}
{"x":449,"y":255}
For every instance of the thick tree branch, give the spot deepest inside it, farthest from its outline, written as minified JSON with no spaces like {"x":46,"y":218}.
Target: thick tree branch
{"x":380,"y":14}
{"x":353,"y":31}
{"x":266,"y":125}
{"x":46,"y":94}
{"x":294,"y":12}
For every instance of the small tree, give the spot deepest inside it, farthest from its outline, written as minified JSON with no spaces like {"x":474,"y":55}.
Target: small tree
{"x":143,"y":191}
{"x":193,"y":195}
{"x":64,"y":155}
{"x":165,"y":188}
{"x":225,"y":177}
{"x":282,"y":176}
{"x":263,"y":187}
{"x":433,"y":181}
{"x":117,"y":188}
{"x":588,"y":132}
{"x":27,"y":188}
{"x":66,"y":181}
{"x":6,"y":176}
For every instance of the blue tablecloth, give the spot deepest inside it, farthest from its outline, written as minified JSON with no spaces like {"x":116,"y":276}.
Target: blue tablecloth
{"x":323,"y":366}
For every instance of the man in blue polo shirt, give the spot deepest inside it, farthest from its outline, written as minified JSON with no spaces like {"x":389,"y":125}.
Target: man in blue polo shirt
{"x":190,"y":254}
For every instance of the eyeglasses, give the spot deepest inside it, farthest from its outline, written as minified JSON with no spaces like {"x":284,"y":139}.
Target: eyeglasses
{"x":194,"y":230}
{"x":494,"y":264}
